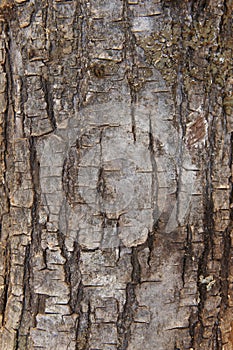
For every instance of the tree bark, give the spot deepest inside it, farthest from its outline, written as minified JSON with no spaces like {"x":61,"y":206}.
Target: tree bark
{"x":116,"y":175}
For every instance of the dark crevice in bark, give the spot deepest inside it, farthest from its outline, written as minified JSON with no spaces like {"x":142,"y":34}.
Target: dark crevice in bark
{"x":7,"y":126}
{"x":225,"y":264}
{"x":67,"y":178}
{"x":155,"y":181}
{"x":49,"y":102}
{"x":44,"y":256}
{"x":66,"y":256}
{"x":82,"y":51}
{"x":4,"y":296}
{"x":133,"y":118}
{"x":207,"y":254}
{"x":8,"y":114}
{"x":223,"y":21}
{"x":78,"y":297}
{"x":176,"y":348}
{"x":85,"y":250}
{"x":35,"y":174}
{"x":26,"y":294}
{"x":216,"y":337}
{"x":198,"y":7}
{"x":125,"y":319}
{"x":41,"y":303}
{"x":202,"y":271}
{"x":154,"y":193}
{"x":101,"y":185}
{"x":23,"y":99}
{"x":180,"y":100}
{"x":36,"y":8}
{"x":193,"y":324}
{"x":45,"y":18}
{"x":72,"y":273}
{"x":74,"y":280}
{"x":231,"y":183}
{"x":130,"y":55}
{"x":150,"y":244}
{"x":136,"y":272}
{"x":31,"y":305}
{"x":83,"y":330}
{"x":187,"y":252}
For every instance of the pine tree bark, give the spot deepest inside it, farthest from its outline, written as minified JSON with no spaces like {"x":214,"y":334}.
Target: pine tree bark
{"x":116,"y":175}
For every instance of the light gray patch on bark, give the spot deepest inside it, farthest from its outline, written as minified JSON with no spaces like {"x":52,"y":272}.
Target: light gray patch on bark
{"x":109,"y":177}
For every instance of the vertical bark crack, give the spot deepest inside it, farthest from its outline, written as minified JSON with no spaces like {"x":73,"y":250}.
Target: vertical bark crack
{"x":132,"y":68}
{"x":49,"y":102}
{"x":125,"y":319}
{"x":83,"y":329}
{"x":187,"y":252}
{"x":4,"y":296}
{"x":31,"y":305}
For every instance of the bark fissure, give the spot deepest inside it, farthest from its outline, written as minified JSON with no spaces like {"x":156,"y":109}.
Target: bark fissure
{"x":126,"y":318}
{"x":49,"y":102}
{"x":7,"y":117}
{"x":30,"y":304}
{"x":4,"y":295}
{"x":187,"y":252}
{"x":132,"y":68}
{"x":21,"y":337}
{"x":83,"y":330}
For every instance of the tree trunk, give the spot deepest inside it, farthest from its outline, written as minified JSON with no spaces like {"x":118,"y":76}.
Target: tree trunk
{"x":116,"y":175}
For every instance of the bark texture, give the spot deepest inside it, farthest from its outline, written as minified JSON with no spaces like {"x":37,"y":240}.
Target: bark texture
{"x":116,"y":127}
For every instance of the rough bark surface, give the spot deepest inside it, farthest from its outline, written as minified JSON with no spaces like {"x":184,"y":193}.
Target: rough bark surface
{"x":116,"y":175}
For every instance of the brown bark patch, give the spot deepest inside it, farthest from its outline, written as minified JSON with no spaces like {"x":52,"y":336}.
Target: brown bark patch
{"x":231,"y":334}
{"x":196,"y":131}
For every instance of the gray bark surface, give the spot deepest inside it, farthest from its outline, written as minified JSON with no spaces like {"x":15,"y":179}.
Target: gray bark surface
{"x":116,"y":175}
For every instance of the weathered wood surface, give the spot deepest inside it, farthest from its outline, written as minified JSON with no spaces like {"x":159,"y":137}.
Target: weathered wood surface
{"x":116,"y":175}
